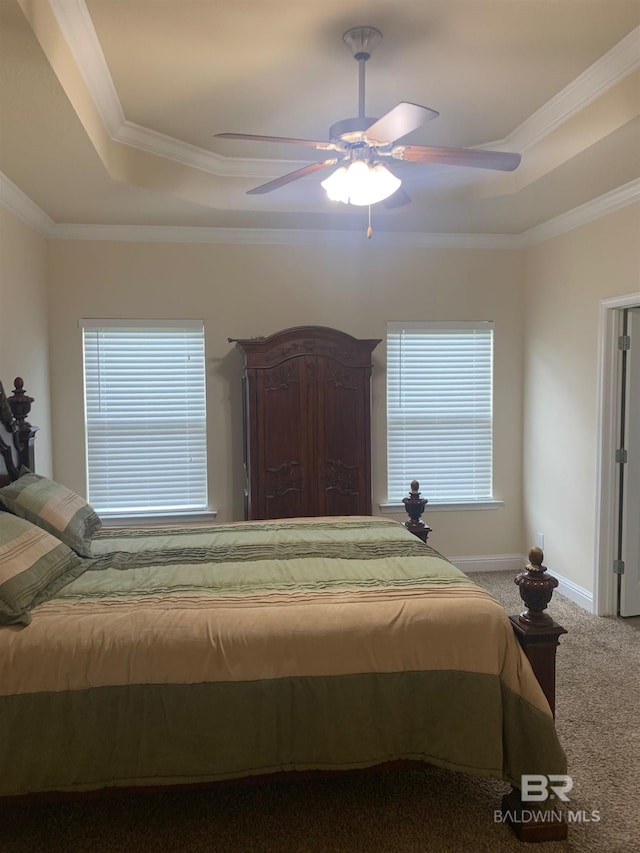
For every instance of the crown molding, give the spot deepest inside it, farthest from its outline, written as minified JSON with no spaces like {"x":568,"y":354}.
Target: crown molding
{"x":77,"y":28}
{"x":283,"y":237}
{"x":584,"y":213}
{"x":137,"y":136}
{"x":21,"y":205}
{"x":623,"y":59}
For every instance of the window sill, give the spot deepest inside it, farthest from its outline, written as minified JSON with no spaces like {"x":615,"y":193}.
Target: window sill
{"x":185,"y":519}
{"x":443,"y":506}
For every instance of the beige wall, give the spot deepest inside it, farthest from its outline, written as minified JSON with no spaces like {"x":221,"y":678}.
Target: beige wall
{"x":24,"y":348}
{"x":565,"y":279}
{"x":544,"y":302}
{"x":241,"y":291}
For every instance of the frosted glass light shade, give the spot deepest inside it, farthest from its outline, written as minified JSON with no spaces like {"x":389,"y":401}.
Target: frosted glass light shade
{"x":361,"y":184}
{"x":336,"y":185}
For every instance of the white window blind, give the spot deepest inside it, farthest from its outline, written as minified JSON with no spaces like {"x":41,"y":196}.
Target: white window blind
{"x":440,"y":410}
{"x":145,"y":416}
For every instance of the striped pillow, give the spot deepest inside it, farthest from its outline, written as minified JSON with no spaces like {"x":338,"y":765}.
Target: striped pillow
{"x":33,"y":566}
{"x":53,"y":507}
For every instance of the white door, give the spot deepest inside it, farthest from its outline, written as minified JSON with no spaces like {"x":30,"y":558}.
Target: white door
{"x":629,"y":545}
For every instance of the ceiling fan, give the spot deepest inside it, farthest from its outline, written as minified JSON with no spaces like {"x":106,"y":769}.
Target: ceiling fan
{"x":362,"y":144}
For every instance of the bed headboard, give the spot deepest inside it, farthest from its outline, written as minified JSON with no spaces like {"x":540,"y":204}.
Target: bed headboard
{"x":16,"y":433}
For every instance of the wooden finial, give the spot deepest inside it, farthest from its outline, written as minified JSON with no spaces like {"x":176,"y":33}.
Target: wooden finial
{"x":536,"y":588}
{"x":414,"y":506}
{"x":20,"y":404}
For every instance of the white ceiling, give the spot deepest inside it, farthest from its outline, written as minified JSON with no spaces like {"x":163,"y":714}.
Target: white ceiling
{"x":109,"y":108}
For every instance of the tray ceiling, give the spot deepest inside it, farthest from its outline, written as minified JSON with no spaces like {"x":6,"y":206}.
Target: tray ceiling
{"x":109,"y":108}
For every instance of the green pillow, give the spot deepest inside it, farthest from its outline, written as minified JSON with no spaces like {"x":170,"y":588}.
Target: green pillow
{"x":33,"y":566}
{"x":53,"y":507}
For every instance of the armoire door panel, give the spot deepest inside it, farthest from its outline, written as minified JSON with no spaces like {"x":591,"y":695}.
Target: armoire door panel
{"x":282,"y":443}
{"x":341,"y":443}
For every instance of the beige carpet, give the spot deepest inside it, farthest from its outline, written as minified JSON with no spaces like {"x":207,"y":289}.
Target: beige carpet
{"x":598,"y":718}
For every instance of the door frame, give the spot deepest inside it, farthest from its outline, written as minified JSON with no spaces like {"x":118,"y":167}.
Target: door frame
{"x":605,"y":592}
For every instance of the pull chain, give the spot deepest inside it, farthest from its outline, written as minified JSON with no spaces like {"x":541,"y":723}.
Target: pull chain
{"x":369,"y":229}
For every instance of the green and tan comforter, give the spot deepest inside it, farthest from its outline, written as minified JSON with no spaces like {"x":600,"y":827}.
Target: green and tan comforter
{"x":216,"y":652}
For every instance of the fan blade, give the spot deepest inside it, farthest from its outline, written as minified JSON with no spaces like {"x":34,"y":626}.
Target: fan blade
{"x":503,"y":161}
{"x":309,"y":169}
{"x":399,"y":121}
{"x":399,"y":198}
{"x":310,"y":143}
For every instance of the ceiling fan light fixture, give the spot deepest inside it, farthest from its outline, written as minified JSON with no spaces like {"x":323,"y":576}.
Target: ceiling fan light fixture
{"x":361,"y":183}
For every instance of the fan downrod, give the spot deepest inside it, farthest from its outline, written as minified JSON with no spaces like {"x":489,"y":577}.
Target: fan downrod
{"x":362,"y":41}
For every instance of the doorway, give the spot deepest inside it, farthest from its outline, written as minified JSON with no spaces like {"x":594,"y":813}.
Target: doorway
{"x":628,"y":558}
{"x":617,"y":557}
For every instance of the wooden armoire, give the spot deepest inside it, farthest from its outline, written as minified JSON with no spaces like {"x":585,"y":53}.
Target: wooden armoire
{"x":307,"y":423}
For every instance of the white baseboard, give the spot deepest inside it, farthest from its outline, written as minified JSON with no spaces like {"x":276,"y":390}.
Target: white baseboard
{"x":516,"y":563}
{"x":571,"y":590}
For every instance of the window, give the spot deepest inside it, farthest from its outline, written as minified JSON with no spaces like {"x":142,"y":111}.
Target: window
{"x":439,"y":411}
{"x":145,"y":416}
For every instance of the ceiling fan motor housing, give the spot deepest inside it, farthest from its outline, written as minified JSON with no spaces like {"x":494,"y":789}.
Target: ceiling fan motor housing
{"x":350,"y":129}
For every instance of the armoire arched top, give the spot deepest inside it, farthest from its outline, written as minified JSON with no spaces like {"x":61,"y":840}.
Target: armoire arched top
{"x":299,"y":340}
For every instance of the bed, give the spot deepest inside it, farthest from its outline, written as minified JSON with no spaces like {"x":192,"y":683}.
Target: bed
{"x":173,"y":655}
